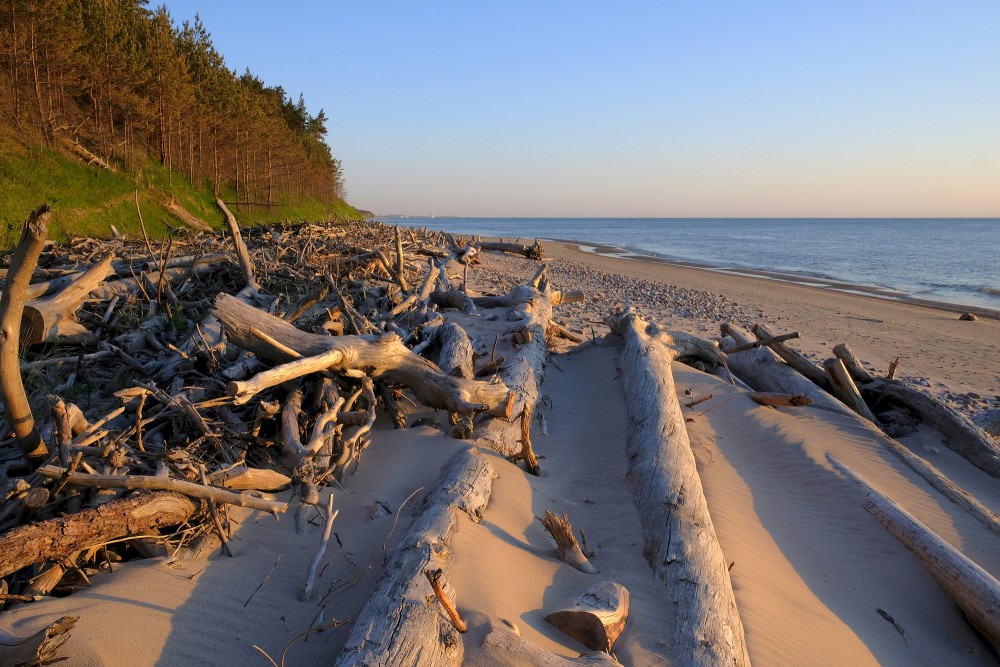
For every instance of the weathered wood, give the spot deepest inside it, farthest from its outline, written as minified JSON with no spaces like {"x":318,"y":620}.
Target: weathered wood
{"x":165,"y":484}
{"x":242,"y":254}
{"x":55,"y":539}
{"x":597,"y":616}
{"x":241,"y":478}
{"x":183,"y":215}
{"x":989,"y":421}
{"x":845,"y":389}
{"x":12,"y":395}
{"x":453,"y":298}
{"x":793,"y":357}
{"x":535,"y":251}
{"x":41,"y":648}
{"x":680,"y":541}
{"x":54,"y":318}
{"x":509,"y":649}
{"x":960,"y":433}
{"x":398,"y":626}
{"x":764,"y":342}
{"x":456,"y":351}
{"x":567,"y":548}
{"x":783,"y":400}
{"x":971,"y":587}
{"x":853,"y":364}
{"x":379,"y":356}
{"x":764,"y":371}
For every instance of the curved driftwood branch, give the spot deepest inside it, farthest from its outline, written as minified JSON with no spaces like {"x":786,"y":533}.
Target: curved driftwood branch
{"x":377,"y":356}
{"x":15,"y":401}
{"x":56,"y":539}
{"x":401,"y":624}
{"x":972,"y":588}
{"x":681,"y":544}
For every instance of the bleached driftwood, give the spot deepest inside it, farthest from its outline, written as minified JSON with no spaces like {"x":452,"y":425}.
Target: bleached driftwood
{"x":456,"y":351}
{"x":535,"y":251}
{"x":960,"y":433}
{"x":242,"y":254}
{"x":54,"y":318}
{"x":597,"y":616}
{"x":15,"y":401}
{"x":398,"y":625}
{"x":971,"y":587}
{"x":56,"y":539}
{"x":509,"y":649}
{"x":793,"y":357}
{"x":378,"y":355}
{"x":185,"y":216}
{"x":567,"y":548}
{"x":764,"y":371}
{"x":844,"y":388}
{"x":853,"y":364}
{"x":680,"y":541}
{"x":524,"y":370}
{"x":989,"y":421}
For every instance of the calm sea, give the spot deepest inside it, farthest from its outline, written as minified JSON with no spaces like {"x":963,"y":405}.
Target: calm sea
{"x":952,"y":260}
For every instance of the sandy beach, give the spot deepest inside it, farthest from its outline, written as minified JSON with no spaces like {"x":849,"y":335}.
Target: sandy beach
{"x":817,"y":580}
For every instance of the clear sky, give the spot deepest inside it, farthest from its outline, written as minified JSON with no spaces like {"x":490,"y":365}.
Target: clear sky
{"x":576,"y":108}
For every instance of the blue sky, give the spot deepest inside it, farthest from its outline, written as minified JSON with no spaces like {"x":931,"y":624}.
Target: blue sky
{"x":546,"y":108}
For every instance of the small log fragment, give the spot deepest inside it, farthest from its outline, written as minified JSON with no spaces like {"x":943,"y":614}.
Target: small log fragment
{"x":680,"y":541}
{"x":853,"y":364}
{"x":380,"y":356}
{"x":456,"y":351}
{"x":54,"y":317}
{"x":510,"y":649}
{"x":567,"y":548}
{"x":780,"y":400}
{"x":527,"y":452}
{"x":793,"y":357}
{"x":597,"y":617}
{"x":56,"y":539}
{"x":453,"y":298}
{"x":845,"y":389}
{"x":960,"y":433}
{"x":968,"y":317}
{"x":989,"y":421}
{"x":165,"y":484}
{"x":41,"y":648}
{"x":398,"y":626}
{"x":12,"y":395}
{"x":972,"y":588}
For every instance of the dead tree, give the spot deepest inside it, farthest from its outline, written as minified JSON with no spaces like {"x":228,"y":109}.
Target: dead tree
{"x":680,"y":541}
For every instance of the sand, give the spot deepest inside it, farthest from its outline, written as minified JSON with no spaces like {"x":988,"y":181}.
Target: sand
{"x":810,"y":567}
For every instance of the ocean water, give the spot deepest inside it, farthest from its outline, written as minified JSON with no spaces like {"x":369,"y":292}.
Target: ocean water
{"x":951,"y":260}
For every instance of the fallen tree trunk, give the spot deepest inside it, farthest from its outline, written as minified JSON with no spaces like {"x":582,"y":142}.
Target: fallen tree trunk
{"x":764,"y":371}
{"x":960,"y":433}
{"x":253,"y":330}
{"x":56,"y":539}
{"x":54,"y":318}
{"x":680,"y":541}
{"x":971,"y":587}
{"x":535,"y":251}
{"x":398,"y":625}
{"x":12,"y":395}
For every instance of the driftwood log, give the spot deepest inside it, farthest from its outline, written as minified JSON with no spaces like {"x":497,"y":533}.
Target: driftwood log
{"x":853,"y":364}
{"x":257,"y":332}
{"x":972,"y":588}
{"x":764,"y":371}
{"x":793,"y":357}
{"x":56,"y":539}
{"x":398,"y":626}
{"x":960,"y":433}
{"x":681,"y":544}
{"x":597,"y":616}
{"x":15,"y":401}
{"x":844,"y":388}
{"x":509,"y":649}
{"x":54,"y":317}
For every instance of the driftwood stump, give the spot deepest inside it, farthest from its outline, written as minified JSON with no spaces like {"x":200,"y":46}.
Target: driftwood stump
{"x":597,"y":617}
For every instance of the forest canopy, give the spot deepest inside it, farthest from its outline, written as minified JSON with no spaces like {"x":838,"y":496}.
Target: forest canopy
{"x":124,"y":83}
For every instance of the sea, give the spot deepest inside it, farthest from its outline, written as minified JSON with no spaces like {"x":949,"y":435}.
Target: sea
{"x":954,"y":260}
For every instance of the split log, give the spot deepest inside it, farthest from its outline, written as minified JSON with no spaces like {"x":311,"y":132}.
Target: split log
{"x":164,"y":484}
{"x":960,"y":433}
{"x":845,"y":389}
{"x":54,"y":318}
{"x":989,"y":421}
{"x":377,"y":355}
{"x":41,"y":648}
{"x":971,"y":587}
{"x":764,"y":371}
{"x":509,"y":649}
{"x":781,"y":400}
{"x":853,"y":364}
{"x":56,"y":539}
{"x":398,"y":625}
{"x":680,"y":541}
{"x":597,"y":617}
{"x":12,"y":395}
{"x":793,"y":357}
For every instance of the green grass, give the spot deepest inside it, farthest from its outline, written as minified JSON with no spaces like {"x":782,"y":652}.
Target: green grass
{"x":87,"y":200}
